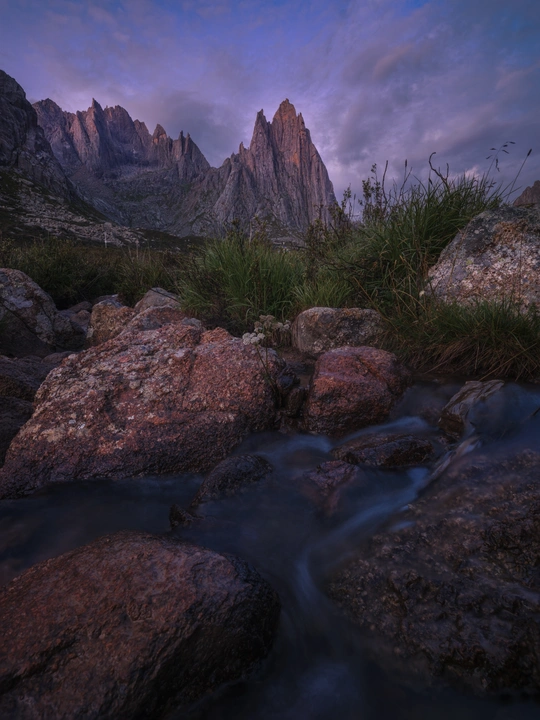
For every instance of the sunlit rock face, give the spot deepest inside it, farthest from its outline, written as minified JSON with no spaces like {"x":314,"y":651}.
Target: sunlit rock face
{"x":152,"y":181}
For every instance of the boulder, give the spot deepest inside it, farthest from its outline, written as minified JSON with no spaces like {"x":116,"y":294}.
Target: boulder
{"x":154,"y":401}
{"x":319,"y":329}
{"x":230,"y":476}
{"x":79,"y":319}
{"x":455,"y":416}
{"x":352,"y":388}
{"x":453,"y":590}
{"x":109,"y":317}
{"x":326,"y":485}
{"x":132,"y":625}
{"x":30,"y":323}
{"x":157,"y":297}
{"x":14,"y":412}
{"x":496,"y":256}
{"x":386,"y":450}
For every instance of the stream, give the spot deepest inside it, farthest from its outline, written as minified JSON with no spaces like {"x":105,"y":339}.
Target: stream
{"x":320,"y":666}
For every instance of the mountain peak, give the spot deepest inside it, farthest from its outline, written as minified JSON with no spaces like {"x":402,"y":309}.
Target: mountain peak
{"x":285,"y":110}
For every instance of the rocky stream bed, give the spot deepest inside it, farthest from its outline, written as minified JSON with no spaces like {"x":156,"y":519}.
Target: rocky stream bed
{"x":435,"y":592}
{"x":194,"y":526}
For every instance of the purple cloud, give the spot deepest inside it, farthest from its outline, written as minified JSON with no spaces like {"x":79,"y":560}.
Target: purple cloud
{"x":375,"y":81}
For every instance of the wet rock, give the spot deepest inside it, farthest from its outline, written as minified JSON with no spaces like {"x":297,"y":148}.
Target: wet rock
{"x":132,"y":625}
{"x":21,"y":377}
{"x":385,"y":450}
{"x":31,"y":324}
{"x":14,"y":412}
{"x":230,"y":476}
{"x":319,"y":329}
{"x":155,"y":317}
{"x":157,"y":297}
{"x":179,"y":516}
{"x":453,"y":592}
{"x":326,"y":485}
{"x":295,"y":401}
{"x":108,"y":319}
{"x":455,"y":418}
{"x":497,"y":255}
{"x":353,"y":388}
{"x":156,"y":401}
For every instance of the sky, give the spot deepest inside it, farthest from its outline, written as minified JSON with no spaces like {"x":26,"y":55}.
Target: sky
{"x":375,"y":80}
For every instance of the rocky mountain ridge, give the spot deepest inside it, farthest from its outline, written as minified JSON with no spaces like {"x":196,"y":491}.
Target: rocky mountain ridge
{"x":37,"y":199}
{"x":151,"y":181}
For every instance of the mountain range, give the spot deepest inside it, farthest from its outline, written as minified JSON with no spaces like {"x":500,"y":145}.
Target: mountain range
{"x":103,"y":161}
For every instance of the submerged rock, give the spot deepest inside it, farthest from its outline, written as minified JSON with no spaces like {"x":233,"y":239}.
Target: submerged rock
{"x":132,"y":625}
{"x":325,"y":485}
{"x":385,"y":450}
{"x":230,"y":476}
{"x":353,"y":388}
{"x":454,"y":591}
{"x":319,"y":329}
{"x":153,"y":401}
{"x":455,"y":418}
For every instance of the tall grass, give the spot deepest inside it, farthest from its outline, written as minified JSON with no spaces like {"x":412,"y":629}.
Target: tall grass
{"x":483,"y":339}
{"x":237,"y":279}
{"x":71,"y":272}
{"x":404,"y":231}
{"x":384,"y":259}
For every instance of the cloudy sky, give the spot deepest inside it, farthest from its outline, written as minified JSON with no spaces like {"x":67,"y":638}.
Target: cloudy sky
{"x":375,"y":80}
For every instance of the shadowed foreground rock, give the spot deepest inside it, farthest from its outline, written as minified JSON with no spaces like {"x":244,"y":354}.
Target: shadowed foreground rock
{"x":326,"y":485}
{"x":385,"y":450}
{"x":172,"y":398}
{"x":353,"y":387}
{"x":455,"y":591}
{"x":129,"y":626}
{"x":230,"y":476}
{"x":31,"y":324}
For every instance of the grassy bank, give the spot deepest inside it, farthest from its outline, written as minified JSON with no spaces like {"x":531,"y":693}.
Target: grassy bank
{"x":378,"y":261}
{"x":71,"y":272}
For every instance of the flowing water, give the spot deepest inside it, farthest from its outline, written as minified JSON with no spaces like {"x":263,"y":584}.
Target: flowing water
{"x":319,"y":668}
